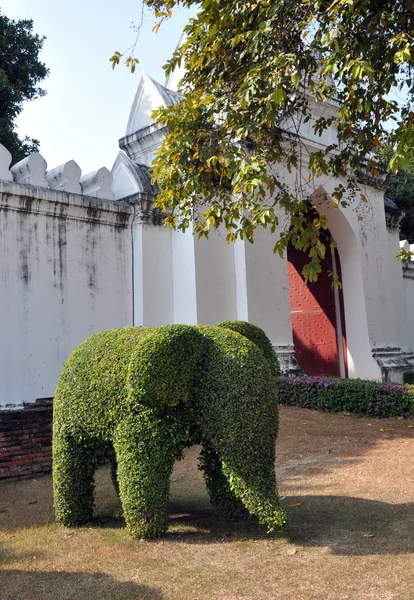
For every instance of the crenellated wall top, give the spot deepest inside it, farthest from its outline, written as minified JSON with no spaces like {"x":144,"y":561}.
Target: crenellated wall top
{"x":67,"y":177}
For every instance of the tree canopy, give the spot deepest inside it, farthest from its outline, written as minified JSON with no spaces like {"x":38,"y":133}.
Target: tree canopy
{"x":250,"y":65}
{"x":20,"y":72}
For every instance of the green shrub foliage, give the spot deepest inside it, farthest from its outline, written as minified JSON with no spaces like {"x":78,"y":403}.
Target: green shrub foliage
{"x":258,"y":337}
{"x":371,"y":398}
{"x":138,"y":396}
{"x":408,"y":377}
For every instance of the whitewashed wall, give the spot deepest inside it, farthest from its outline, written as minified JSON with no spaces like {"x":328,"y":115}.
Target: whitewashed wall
{"x":409,"y":301}
{"x":65,"y":272}
{"x":408,"y":282}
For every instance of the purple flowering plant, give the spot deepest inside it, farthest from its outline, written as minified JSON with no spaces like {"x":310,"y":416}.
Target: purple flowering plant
{"x":333,"y":394}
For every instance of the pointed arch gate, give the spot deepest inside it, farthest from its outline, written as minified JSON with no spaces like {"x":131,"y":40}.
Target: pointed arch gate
{"x":318,"y":318}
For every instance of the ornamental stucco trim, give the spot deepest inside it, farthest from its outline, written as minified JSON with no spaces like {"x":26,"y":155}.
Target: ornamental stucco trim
{"x":144,"y":211}
{"x":287,"y":360}
{"x":393,"y":215}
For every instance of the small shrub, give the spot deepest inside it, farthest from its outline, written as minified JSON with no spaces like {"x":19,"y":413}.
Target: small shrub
{"x":331,"y":394}
{"x":138,"y":396}
{"x":408,"y":377}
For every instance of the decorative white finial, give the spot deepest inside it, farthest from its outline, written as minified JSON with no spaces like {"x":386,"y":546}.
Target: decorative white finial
{"x":31,"y":170}
{"x":65,"y":177}
{"x":98,"y":184}
{"x":5,"y":161}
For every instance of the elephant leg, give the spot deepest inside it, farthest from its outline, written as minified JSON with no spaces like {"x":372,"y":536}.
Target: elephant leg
{"x":225,"y":503}
{"x":250,"y":474}
{"x":145,"y":456}
{"x":246,"y":448}
{"x":74,"y":465}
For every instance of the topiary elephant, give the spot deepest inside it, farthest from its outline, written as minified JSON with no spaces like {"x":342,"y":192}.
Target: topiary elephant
{"x":138,"y":396}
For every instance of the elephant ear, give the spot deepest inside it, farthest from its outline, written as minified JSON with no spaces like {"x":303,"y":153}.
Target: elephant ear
{"x":164,"y":365}
{"x":258,"y":337}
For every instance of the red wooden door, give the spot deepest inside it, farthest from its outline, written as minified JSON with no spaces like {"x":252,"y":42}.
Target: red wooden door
{"x":314,"y":318}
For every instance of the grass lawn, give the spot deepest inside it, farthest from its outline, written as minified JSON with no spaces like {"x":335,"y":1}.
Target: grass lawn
{"x":348,"y":484}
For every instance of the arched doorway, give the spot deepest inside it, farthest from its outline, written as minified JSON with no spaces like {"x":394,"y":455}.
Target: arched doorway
{"x":318,"y":319}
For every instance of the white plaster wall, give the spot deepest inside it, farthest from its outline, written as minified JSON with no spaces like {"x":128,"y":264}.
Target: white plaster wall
{"x":396,"y":285}
{"x":295,"y":124}
{"x":242,"y":304}
{"x":153,"y":276}
{"x":267,"y":286}
{"x":184,"y":277}
{"x":173,"y":79}
{"x":215,"y":279}
{"x":62,"y":278}
{"x":409,"y":304}
{"x":378,"y":281}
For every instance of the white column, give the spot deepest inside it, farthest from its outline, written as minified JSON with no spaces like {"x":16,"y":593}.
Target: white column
{"x":409,"y":302}
{"x":153,"y":276}
{"x":184,"y":277}
{"x":397,"y":287}
{"x":215,"y":279}
{"x":242,"y":305}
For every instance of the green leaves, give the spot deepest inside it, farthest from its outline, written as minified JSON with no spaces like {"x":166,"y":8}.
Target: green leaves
{"x":398,"y":161}
{"x":21,"y":71}
{"x":403,"y":42}
{"x":404,"y":255}
{"x":251,"y":69}
{"x":130,"y":62}
{"x":213,"y":151}
{"x":115,"y":59}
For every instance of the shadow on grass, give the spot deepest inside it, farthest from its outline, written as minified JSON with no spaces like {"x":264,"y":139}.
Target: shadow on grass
{"x":63,"y":585}
{"x":348,"y":526}
{"x":196,"y":526}
{"x":351,"y":526}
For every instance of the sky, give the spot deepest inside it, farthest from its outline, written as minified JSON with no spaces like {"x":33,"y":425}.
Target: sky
{"x":87,"y":104}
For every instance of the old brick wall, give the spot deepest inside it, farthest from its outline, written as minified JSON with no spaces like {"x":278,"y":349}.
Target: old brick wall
{"x":26,"y":440}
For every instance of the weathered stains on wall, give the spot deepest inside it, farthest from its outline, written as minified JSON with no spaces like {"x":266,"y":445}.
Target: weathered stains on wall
{"x":61,"y":244}
{"x":65,"y":272}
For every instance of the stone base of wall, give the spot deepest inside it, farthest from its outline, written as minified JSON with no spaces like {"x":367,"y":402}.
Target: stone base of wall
{"x":287,"y":360}
{"x":393,"y":362}
{"x":26,"y":441}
